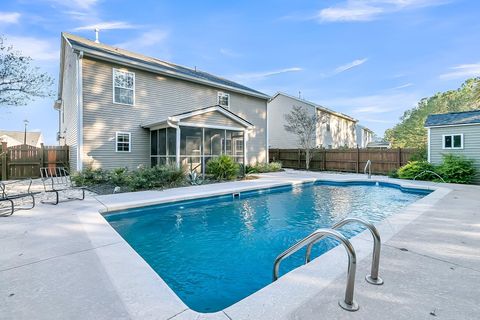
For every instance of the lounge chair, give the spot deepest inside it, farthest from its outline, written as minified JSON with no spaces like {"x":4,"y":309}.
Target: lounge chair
{"x":56,"y":180}
{"x":8,"y":195}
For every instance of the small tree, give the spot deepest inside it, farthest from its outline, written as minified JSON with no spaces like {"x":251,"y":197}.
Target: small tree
{"x":304,"y":126}
{"x":20,"y":82}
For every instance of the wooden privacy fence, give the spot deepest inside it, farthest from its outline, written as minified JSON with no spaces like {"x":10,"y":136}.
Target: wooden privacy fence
{"x":348,"y":160}
{"x":24,"y":161}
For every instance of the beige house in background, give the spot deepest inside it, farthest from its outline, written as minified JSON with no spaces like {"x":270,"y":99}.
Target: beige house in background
{"x":335,"y":129}
{"x":364,"y":136}
{"x":123,"y":109}
{"x":15,"y":138}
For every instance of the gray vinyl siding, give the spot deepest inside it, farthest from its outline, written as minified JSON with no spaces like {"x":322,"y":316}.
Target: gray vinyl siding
{"x":68,"y":120}
{"x":471,"y":144}
{"x":213,"y":118}
{"x":156,"y":98}
{"x":342,"y":130}
{"x":277,"y":109}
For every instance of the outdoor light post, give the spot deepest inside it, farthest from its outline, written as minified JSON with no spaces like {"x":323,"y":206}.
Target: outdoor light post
{"x":25,"y":134}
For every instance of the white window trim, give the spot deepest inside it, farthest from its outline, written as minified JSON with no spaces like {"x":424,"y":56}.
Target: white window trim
{"x":221,"y":93}
{"x":452,"y":135}
{"x":113,"y":87}
{"x":129,"y":141}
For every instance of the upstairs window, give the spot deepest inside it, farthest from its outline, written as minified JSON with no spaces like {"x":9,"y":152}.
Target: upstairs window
{"x":224,"y":100}
{"x":123,"y":141}
{"x":123,"y":87}
{"x":453,"y":141}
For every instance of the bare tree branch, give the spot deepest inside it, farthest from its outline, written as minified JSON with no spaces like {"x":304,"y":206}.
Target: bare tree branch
{"x":20,"y":82}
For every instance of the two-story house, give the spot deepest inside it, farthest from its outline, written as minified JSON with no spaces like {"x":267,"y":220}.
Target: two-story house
{"x":123,"y":109}
{"x":334,"y":129}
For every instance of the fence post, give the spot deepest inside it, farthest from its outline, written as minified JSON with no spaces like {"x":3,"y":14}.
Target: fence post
{"x":399,"y":154}
{"x":42,"y":155}
{"x":3,"y":154}
{"x":324,"y":160}
{"x":298,"y":162}
{"x":358,"y":159}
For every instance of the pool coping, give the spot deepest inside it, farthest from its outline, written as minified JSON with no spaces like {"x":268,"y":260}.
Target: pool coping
{"x":269,"y":302}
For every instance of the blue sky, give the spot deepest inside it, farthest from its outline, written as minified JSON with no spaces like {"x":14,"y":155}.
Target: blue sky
{"x":371,"y":59}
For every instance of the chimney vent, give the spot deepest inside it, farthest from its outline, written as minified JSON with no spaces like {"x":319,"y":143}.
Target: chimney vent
{"x":97,"y":30}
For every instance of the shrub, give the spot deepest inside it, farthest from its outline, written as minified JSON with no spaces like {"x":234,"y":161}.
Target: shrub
{"x":264,"y":167}
{"x":223,"y":168}
{"x":140,"y":179}
{"x":420,"y":154}
{"x":90,"y":177}
{"x":415,"y":168}
{"x":456,"y":169}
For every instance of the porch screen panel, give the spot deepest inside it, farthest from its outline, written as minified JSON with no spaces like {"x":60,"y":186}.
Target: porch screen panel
{"x":191,"y":148}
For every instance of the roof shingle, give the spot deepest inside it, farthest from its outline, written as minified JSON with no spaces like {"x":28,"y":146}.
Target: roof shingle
{"x":158,"y":64}
{"x":453,"y":118}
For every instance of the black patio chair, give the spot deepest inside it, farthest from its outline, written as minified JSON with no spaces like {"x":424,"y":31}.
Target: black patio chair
{"x":8,"y":195}
{"x":57,"y":180}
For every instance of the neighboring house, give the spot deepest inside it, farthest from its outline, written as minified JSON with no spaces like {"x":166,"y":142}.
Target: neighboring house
{"x":15,"y":138}
{"x":364,"y":136}
{"x":335,"y":129}
{"x":123,"y":109}
{"x":457,"y":133}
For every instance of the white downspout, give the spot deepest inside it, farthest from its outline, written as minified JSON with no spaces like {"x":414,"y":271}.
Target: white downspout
{"x":79,"y":111}
{"x":267,"y":138}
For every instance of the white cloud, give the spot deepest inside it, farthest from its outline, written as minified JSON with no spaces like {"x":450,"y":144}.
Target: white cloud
{"x":406,"y":85}
{"x":354,"y":12}
{"x":266,"y":74}
{"x":367,"y":10}
{"x":108,"y":25}
{"x":462,"y":71}
{"x":229,"y":53}
{"x":77,"y":4}
{"x":146,"y":39}
{"x":9,"y":17}
{"x":350,"y":65}
{"x":362,"y":106}
{"x":37,"y":49}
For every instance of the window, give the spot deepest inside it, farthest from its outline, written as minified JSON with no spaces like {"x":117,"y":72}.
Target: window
{"x":123,"y":141}
{"x":123,"y":87}
{"x":328,"y":126}
{"x":224,"y":99}
{"x":453,"y":141}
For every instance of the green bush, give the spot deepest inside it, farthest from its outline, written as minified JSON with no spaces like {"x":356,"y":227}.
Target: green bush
{"x":420,"y":154}
{"x":264,"y":167}
{"x":140,"y":179}
{"x":456,"y":169}
{"x":415,"y":168}
{"x":223,"y":168}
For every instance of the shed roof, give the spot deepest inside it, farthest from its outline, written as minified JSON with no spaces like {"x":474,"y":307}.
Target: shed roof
{"x":453,"y":118}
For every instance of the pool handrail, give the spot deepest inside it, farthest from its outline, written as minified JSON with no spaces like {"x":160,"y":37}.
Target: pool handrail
{"x":348,"y":303}
{"x":428,"y":171}
{"x":369,"y":166}
{"x":373,"y":277}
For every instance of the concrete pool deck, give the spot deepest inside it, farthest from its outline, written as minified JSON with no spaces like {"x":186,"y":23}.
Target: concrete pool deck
{"x":66,"y":262}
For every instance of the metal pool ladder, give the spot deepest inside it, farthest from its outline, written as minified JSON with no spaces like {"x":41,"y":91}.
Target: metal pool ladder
{"x":348,"y":303}
{"x":369,"y":167}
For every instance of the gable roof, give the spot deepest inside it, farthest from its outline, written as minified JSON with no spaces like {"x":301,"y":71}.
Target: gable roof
{"x":317,"y":106}
{"x":121,"y":56}
{"x":453,"y":118}
{"x":32,"y":137}
{"x":178,"y":117}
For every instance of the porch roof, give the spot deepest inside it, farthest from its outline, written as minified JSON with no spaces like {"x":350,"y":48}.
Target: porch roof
{"x":177,"y":118}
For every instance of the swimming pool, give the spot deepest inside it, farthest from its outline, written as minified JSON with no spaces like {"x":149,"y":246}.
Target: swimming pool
{"x":216,"y":251}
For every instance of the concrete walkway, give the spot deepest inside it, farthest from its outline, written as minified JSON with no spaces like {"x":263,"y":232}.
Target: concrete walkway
{"x":66,"y":262}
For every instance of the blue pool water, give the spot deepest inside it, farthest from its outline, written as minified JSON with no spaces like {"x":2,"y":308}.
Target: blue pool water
{"x":214,"y":252}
